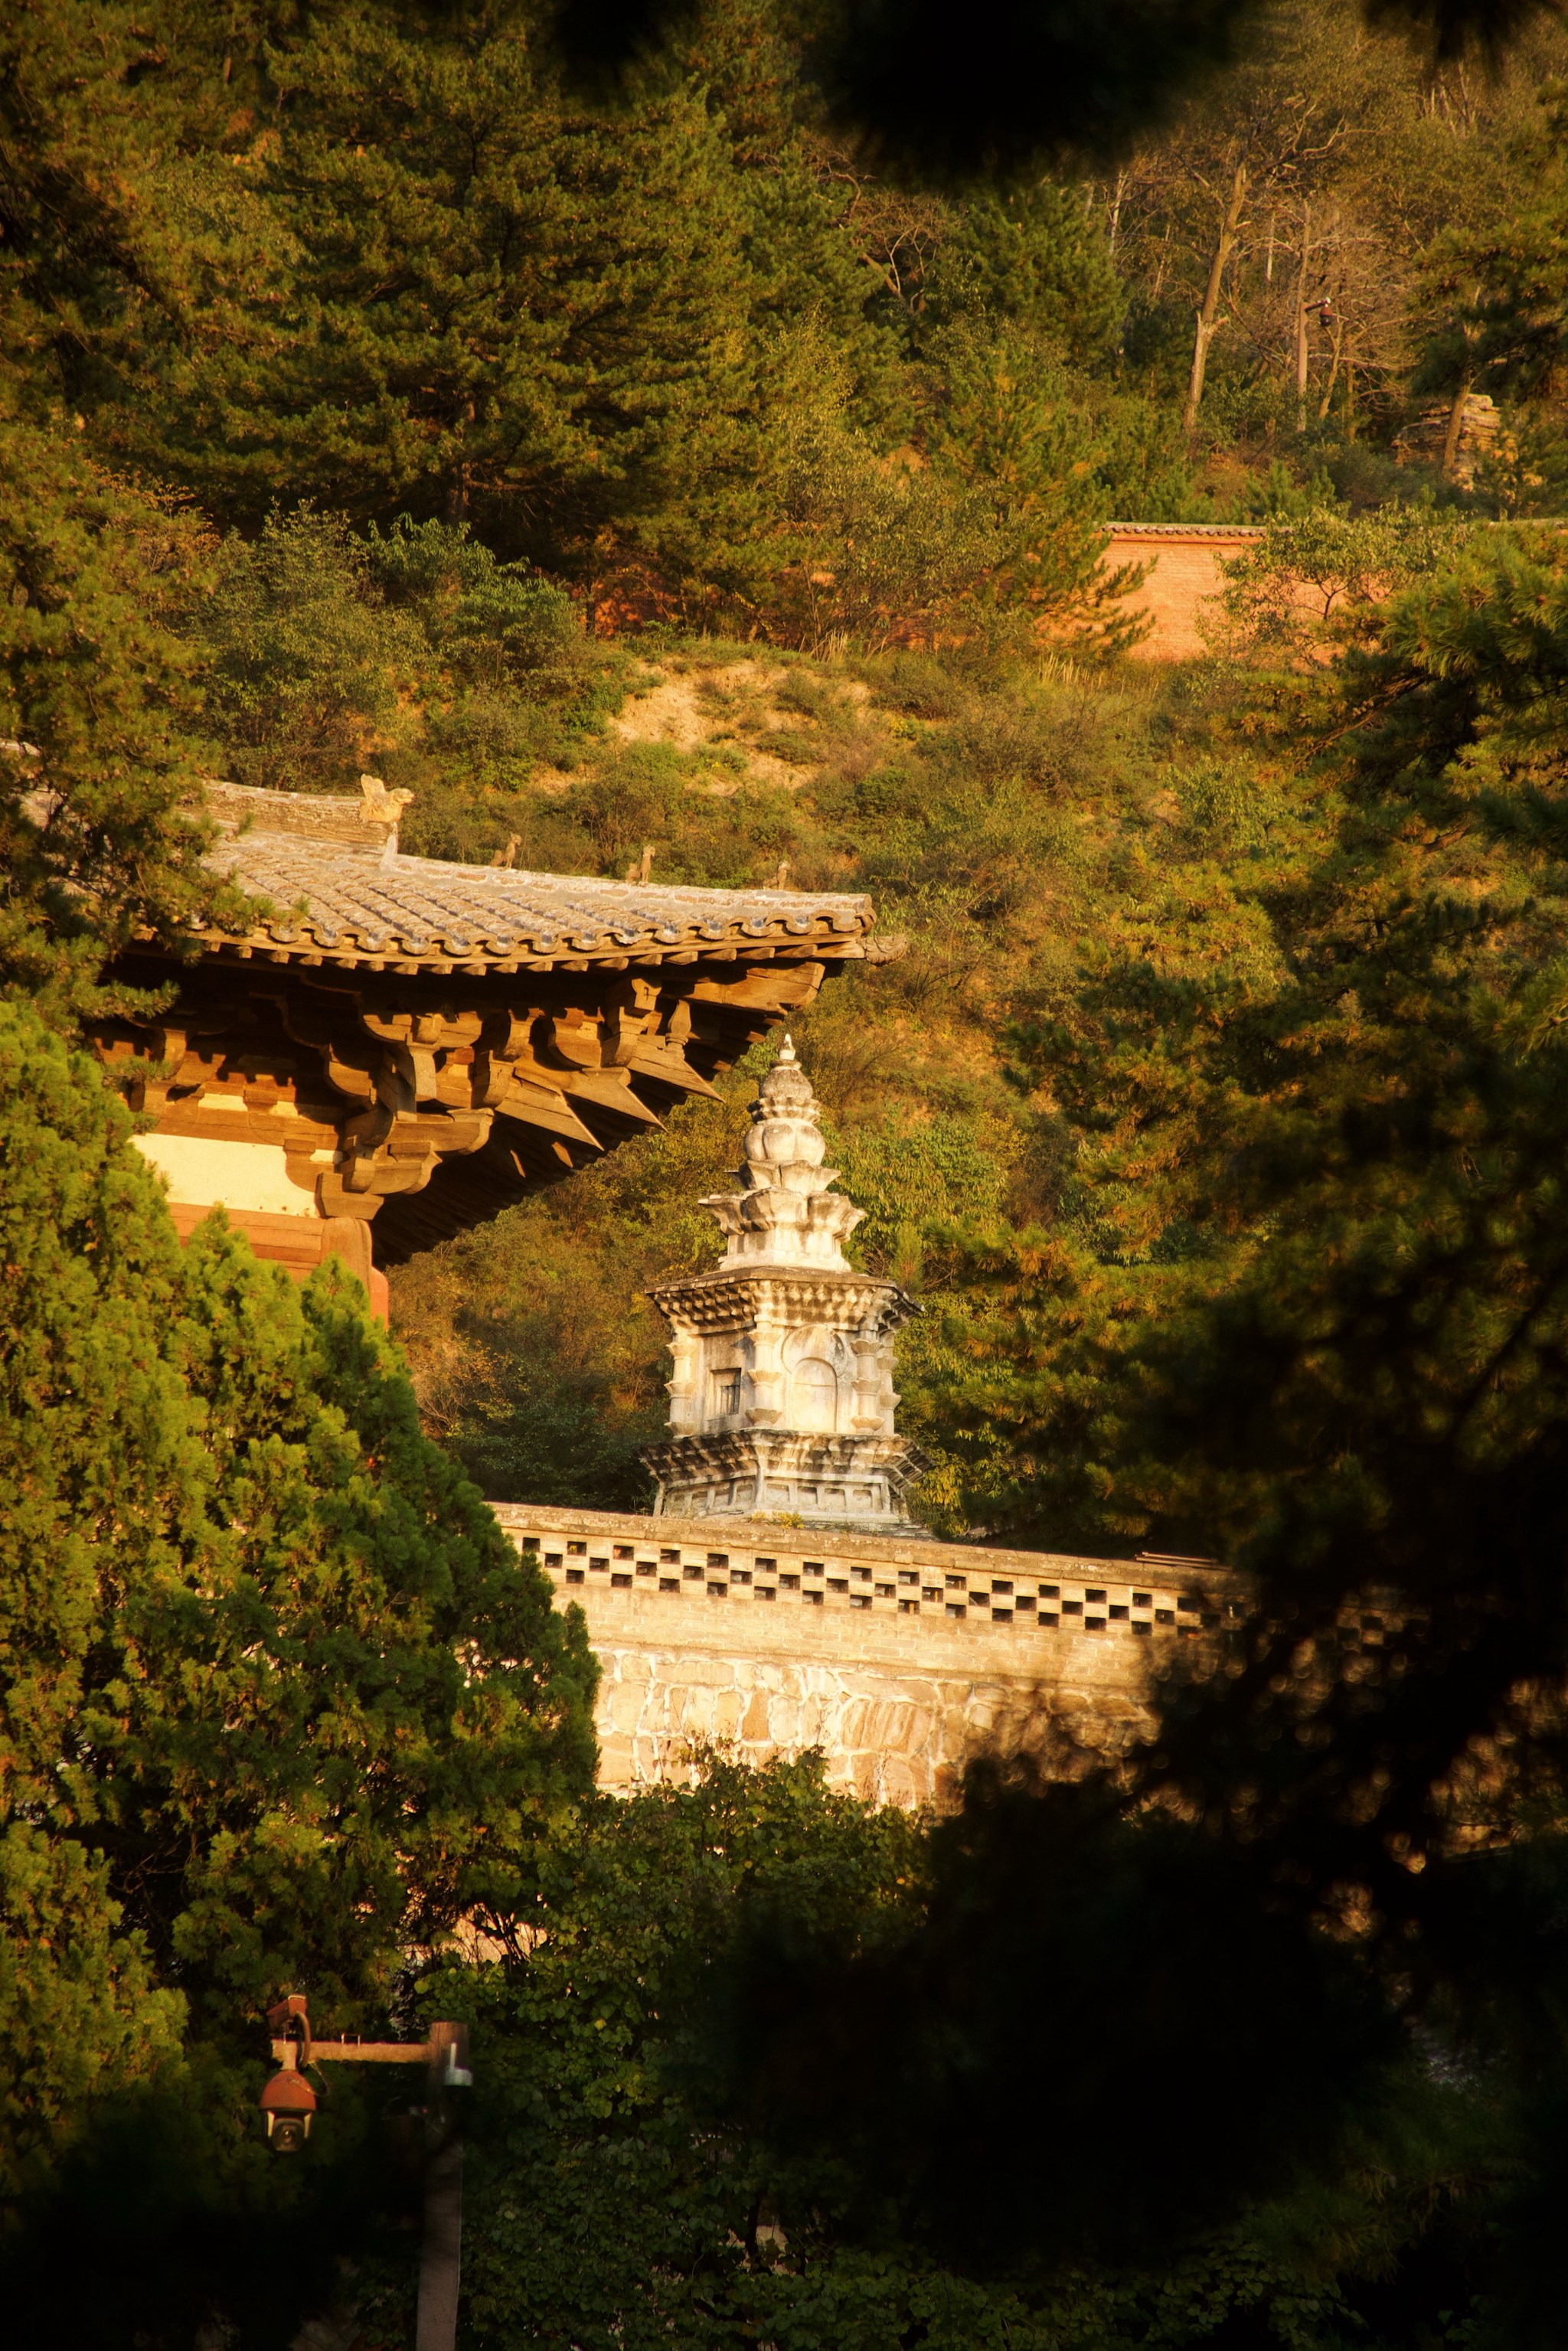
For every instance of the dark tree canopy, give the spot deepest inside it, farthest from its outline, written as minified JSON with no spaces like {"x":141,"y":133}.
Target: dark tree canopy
{"x":952,"y":89}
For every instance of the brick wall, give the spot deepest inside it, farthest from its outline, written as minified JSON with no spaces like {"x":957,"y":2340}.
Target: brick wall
{"x":896,"y":1657}
{"x":1183,"y":574}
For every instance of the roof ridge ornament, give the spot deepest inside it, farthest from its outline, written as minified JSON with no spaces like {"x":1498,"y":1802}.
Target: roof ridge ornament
{"x":383,"y":807}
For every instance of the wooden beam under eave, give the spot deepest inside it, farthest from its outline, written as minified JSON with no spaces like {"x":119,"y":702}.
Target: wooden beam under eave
{"x":313,"y":1035}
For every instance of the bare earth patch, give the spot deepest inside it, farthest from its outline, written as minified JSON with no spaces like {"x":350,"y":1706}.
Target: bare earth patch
{"x":691,"y":709}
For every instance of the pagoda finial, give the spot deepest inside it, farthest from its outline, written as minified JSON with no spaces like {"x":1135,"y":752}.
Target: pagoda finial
{"x":789,"y":1213}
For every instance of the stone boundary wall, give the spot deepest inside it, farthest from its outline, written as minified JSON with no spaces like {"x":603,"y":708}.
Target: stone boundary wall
{"x":897,"y":1656}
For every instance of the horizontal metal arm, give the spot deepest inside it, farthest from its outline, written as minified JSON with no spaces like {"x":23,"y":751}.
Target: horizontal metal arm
{"x":360,"y":2052}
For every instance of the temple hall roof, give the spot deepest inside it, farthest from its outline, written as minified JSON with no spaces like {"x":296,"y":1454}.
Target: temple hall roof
{"x":338,"y":888}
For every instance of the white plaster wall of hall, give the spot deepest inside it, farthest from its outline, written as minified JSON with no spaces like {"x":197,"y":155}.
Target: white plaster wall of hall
{"x":240,"y":1175}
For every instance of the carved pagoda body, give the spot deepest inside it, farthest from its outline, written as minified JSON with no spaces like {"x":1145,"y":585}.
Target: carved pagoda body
{"x":782,"y":1399}
{"x":403,"y":1047}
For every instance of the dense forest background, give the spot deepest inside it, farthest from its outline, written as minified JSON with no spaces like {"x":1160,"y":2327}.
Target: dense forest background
{"x":644,"y":465}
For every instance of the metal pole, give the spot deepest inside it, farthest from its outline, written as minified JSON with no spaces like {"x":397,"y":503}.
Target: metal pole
{"x":440,"y":2258}
{"x":441,"y":2254}
{"x":445,"y":2056}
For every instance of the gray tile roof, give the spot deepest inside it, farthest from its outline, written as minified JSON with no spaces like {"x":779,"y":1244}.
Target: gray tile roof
{"x":330,"y":897}
{"x":1185,"y":530}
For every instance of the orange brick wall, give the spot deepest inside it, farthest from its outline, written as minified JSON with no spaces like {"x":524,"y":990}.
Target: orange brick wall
{"x":1183,"y":572}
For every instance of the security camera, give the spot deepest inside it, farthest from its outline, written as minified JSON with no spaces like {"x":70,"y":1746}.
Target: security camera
{"x":287,"y":2101}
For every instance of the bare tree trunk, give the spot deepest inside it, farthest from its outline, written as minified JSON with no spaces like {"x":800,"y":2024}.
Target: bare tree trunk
{"x":1334,"y":369}
{"x":1164,"y":258}
{"x":1302,"y":350}
{"x":1455,"y":426}
{"x":1207,"y":319}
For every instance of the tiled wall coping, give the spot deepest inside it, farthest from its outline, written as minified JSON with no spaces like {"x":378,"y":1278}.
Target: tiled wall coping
{"x":918,"y":1585}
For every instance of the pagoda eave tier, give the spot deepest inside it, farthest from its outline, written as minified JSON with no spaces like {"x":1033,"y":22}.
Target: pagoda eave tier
{"x":811,"y":1479}
{"x":420,"y":1043}
{"x":736,"y":1297}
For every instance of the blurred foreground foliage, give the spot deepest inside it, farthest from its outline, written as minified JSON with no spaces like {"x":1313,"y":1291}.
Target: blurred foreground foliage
{"x":760,"y":2063}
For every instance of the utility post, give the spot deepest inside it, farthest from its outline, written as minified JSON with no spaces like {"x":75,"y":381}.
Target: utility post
{"x":288,"y":2103}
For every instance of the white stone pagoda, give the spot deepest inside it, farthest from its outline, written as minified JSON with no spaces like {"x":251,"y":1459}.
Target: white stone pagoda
{"x":782,"y":1401}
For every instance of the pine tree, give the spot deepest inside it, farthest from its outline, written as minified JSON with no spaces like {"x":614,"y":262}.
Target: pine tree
{"x":1033,"y":259}
{"x":280,"y":1700}
{"x":1307,"y":1310}
{"x":100,"y":718}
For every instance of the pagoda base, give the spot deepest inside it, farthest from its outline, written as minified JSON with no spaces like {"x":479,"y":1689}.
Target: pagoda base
{"x":856,"y":1482}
